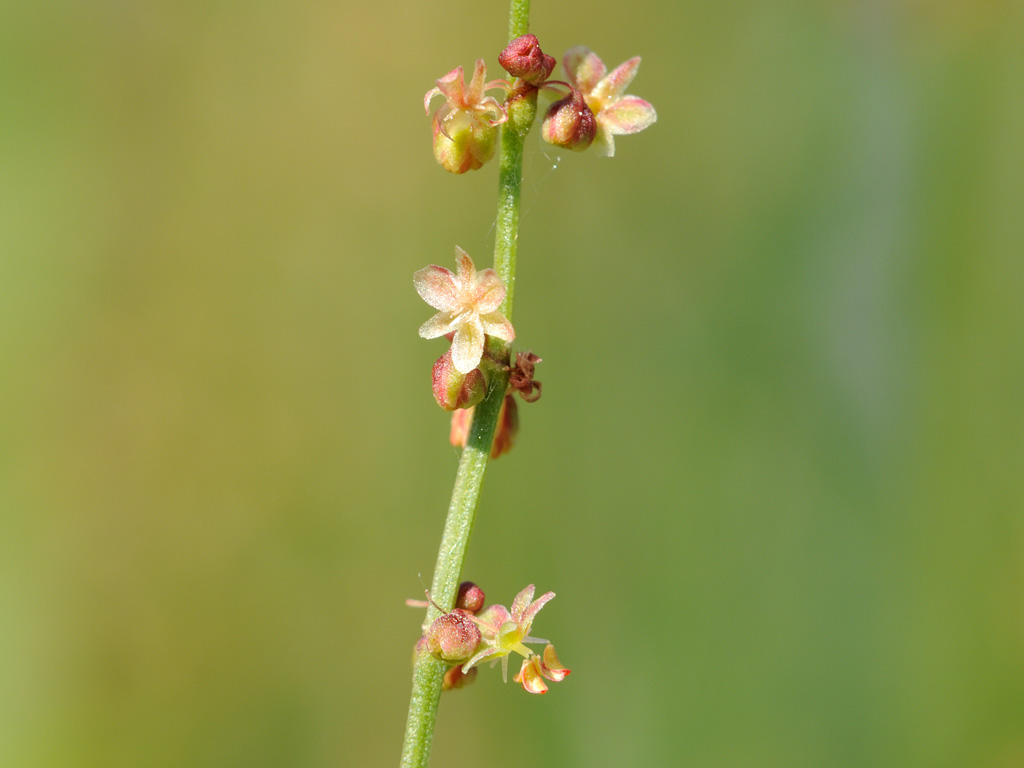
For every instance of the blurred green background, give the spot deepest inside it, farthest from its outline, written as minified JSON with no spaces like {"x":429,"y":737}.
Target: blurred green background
{"x":777,"y":474}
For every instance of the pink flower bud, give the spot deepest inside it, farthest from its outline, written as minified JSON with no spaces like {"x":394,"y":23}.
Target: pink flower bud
{"x":470,"y":597}
{"x":523,"y":58}
{"x":454,"y":390}
{"x":569,"y":123}
{"x":453,"y":637}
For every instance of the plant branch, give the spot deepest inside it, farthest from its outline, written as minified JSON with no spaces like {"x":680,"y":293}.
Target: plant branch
{"x":428,"y":671}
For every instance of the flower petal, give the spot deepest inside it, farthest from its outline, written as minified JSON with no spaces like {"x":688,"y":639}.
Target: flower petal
{"x":491,"y":104}
{"x":551,"y":667}
{"x":583,"y":67}
{"x":475,"y":92}
{"x":534,"y":608}
{"x":604,"y":142}
{"x":488,"y":292}
{"x":468,"y":345}
{"x":530,"y":676}
{"x":453,"y":86}
{"x":491,"y":619}
{"x":428,"y":97}
{"x":438,"y":287}
{"x":438,"y":325}
{"x":495,"y":324}
{"x":613,"y":86}
{"x":522,"y":600}
{"x":467,"y":271}
{"x":630,"y":114}
{"x":483,"y":655}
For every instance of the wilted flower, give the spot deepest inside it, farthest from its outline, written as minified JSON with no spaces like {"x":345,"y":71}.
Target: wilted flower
{"x":616,"y":113}
{"x":535,"y":668}
{"x":468,"y":306}
{"x":520,"y":378}
{"x":465,"y":127}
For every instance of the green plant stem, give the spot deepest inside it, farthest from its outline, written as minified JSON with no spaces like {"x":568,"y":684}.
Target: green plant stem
{"x":428,"y":671}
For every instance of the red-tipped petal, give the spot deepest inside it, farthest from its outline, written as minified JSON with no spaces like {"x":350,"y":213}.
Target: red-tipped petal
{"x":530,"y":676}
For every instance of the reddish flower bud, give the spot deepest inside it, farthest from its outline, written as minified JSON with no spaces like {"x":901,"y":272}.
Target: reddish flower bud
{"x":453,"y":637}
{"x":523,"y":58}
{"x":454,"y":390}
{"x":456,"y":678}
{"x":470,"y":597}
{"x":569,"y":123}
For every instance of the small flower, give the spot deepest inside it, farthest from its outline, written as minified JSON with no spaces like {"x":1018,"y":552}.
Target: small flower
{"x":503,"y":630}
{"x":535,"y":668}
{"x":616,"y":113}
{"x":465,"y":127}
{"x":467,"y":305}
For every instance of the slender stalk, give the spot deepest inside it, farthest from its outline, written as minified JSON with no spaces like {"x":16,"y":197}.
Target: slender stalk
{"x":428,"y":671}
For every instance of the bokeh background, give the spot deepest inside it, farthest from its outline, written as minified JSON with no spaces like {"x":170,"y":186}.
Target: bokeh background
{"x":777,"y":474}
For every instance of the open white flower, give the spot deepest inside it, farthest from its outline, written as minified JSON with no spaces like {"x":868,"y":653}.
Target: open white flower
{"x":467,"y":304}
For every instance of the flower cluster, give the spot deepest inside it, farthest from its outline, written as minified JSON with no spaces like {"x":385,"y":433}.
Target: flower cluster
{"x":469,"y":635}
{"x":595,"y":110}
